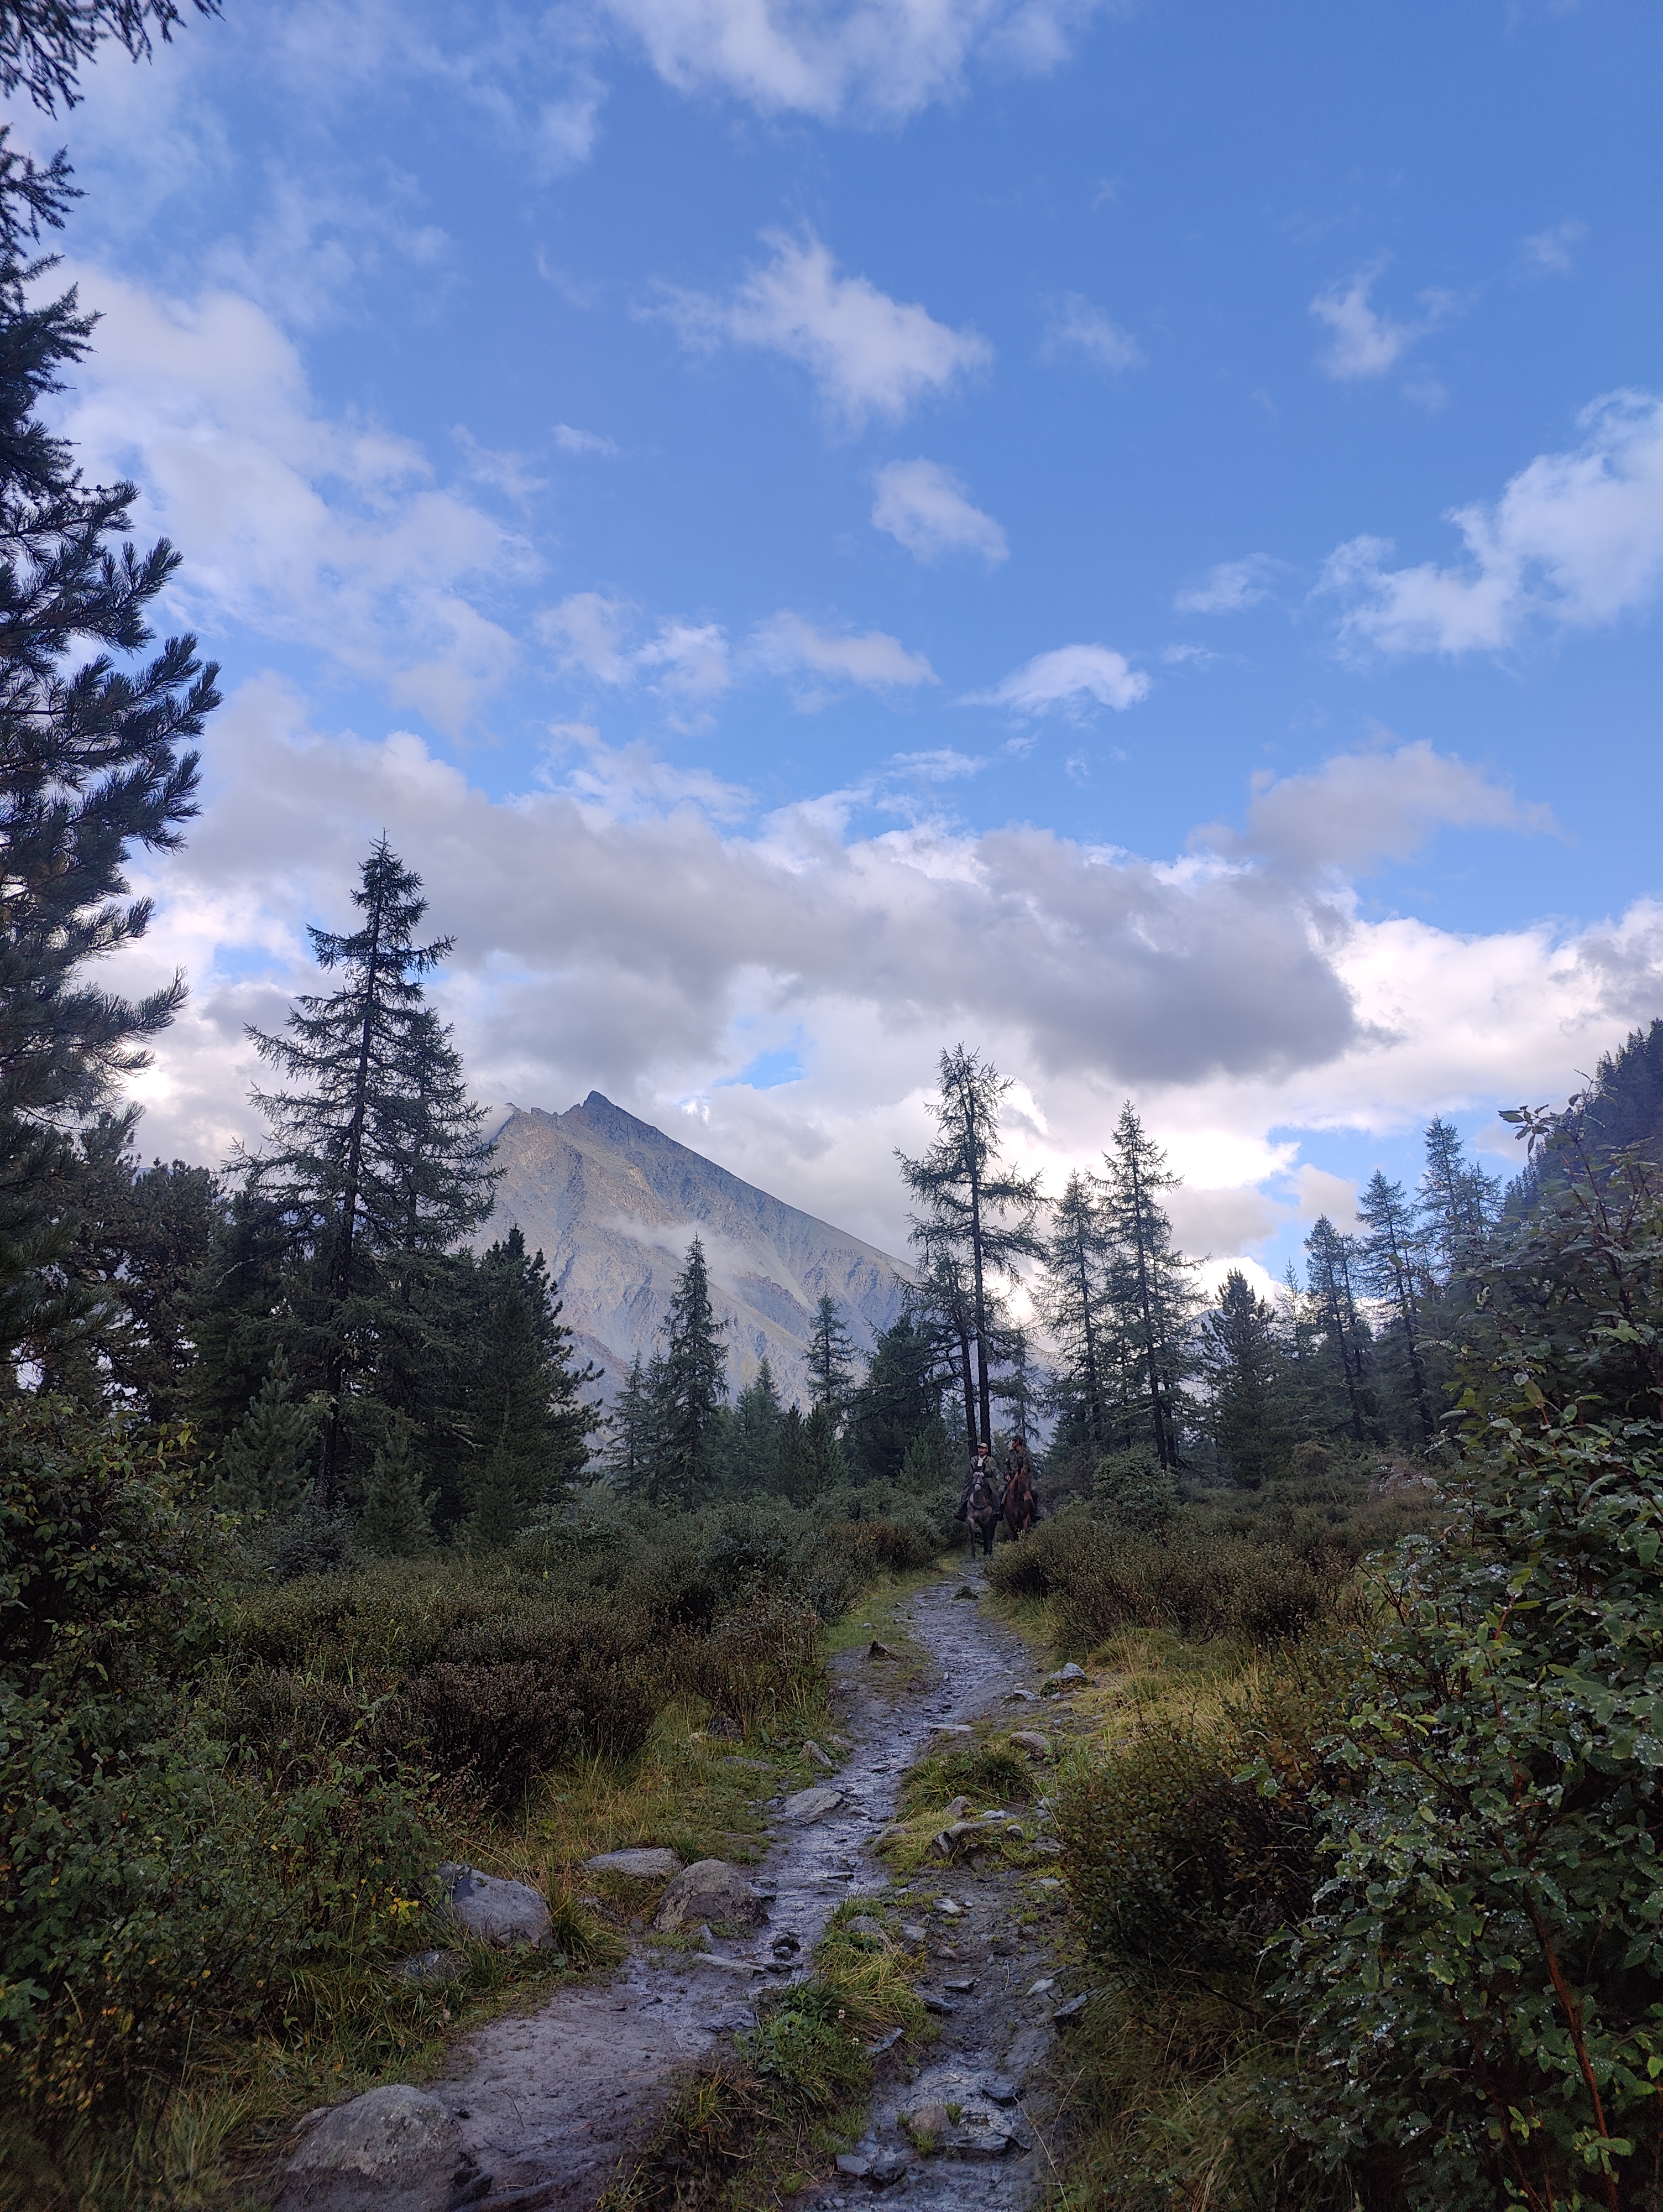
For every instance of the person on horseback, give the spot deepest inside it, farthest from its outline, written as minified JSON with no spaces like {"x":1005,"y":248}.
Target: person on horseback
{"x":980,"y":1504}
{"x":1019,"y":1507}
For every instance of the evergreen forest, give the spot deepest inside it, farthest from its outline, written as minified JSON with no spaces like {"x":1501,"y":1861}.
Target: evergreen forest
{"x":326,"y":1563}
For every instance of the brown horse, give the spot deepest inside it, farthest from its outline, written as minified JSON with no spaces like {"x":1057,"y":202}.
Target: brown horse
{"x":1019,"y":1509}
{"x":982,"y":1509}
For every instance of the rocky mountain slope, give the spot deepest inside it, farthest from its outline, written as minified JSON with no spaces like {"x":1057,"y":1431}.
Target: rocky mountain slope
{"x":614,"y":1204}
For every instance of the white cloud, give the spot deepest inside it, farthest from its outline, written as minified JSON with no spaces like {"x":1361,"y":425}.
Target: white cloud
{"x":1366,"y":343}
{"x":872,"y":658}
{"x":926,"y":509}
{"x":1077,"y":330}
{"x":1074,"y":677}
{"x":1575,"y":539}
{"x":612,"y":933}
{"x":1229,"y":586}
{"x":691,"y":660}
{"x":1359,"y":809}
{"x":1549,"y":252}
{"x":868,"y":354}
{"x":872,"y":61}
{"x":587,"y":632}
{"x":327,"y":532}
{"x":582,"y":441}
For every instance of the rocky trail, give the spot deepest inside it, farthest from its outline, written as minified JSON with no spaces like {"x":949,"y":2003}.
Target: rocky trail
{"x":541,"y":2109}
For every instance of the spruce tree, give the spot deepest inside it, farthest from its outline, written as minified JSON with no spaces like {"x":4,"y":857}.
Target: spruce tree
{"x":95,"y":758}
{"x":691,"y":1385}
{"x":375,"y":1160}
{"x":757,"y":1414}
{"x":1073,"y":1295}
{"x":900,"y":1398}
{"x":263,"y":1469}
{"x":1459,"y":1203}
{"x":1152,"y":1283}
{"x":632,"y":1433}
{"x":396,"y":1521}
{"x":43,"y":43}
{"x":1242,"y":1362}
{"x":830,"y":1356}
{"x":1329,"y":1273}
{"x":1390,"y":1265}
{"x":978,"y":1211}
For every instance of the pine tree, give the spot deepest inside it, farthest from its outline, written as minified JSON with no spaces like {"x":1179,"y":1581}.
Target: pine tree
{"x":830,"y":1356}
{"x":396,"y":1521}
{"x":691,"y":1386}
{"x":262,"y":1470}
{"x":376,"y":1150}
{"x":824,"y":1468}
{"x":979,"y":1212}
{"x":1389,"y":1268}
{"x":1072,"y":1294}
{"x":1019,"y":1388}
{"x":93,"y":759}
{"x":1242,"y":1362}
{"x":1152,"y":1284}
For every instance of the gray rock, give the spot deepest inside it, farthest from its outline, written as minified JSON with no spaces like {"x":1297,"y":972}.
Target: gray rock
{"x":1069,"y":1677}
{"x":999,"y":2088}
{"x":1031,"y":1742}
{"x":432,"y":1966}
{"x":641,"y":1865}
{"x":1021,"y":1697}
{"x":964,"y":1590}
{"x":724,"y":1727}
{"x":913,"y":1933}
{"x":866,"y":1929}
{"x":994,"y":2142}
{"x":877,"y":1651}
{"x":891,"y":1834}
{"x":932,"y":2121}
{"x":941,"y":2007}
{"x":816,"y":1757}
{"x":505,"y":1913}
{"x":710,"y":1889}
{"x":393,"y":2147}
{"x":812,"y":1804}
{"x":959,"y":1839}
{"x":1065,"y":2013}
{"x":853,"y":2164}
{"x":961,"y":1987}
{"x":951,"y":1727}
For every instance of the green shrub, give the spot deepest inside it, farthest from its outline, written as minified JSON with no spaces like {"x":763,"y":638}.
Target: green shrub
{"x":751,"y":1664}
{"x":1132,"y":1489}
{"x":988,"y":1774}
{"x":1479,"y":1986}
{"x":805,"y":2048}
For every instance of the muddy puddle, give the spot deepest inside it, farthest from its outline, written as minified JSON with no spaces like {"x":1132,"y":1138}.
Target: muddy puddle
{"x":549,"y":2102}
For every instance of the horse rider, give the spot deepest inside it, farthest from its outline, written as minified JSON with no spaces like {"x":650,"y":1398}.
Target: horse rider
{"x":983,"y":1476}
{"x":1020,"y":1507}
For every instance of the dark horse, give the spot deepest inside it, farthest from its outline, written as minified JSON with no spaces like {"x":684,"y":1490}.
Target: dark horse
{"x":1020,"y":1510}
{"x":982,"y":1508}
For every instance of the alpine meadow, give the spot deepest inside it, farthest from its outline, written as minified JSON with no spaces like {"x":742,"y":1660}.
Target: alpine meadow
{"x":1024,"y":1566}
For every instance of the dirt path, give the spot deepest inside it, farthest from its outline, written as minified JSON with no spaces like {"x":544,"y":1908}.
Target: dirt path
{"x":549,"y":2102}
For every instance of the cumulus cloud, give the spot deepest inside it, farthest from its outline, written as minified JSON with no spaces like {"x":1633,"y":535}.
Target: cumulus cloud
{"x":1574,"y":541}
{"x":327,"y":532}
{"x":1364,"y":341}
{"x":1229,"y":586}
{"x":626,"y":927}
{"x":586,"y":630}
{"x":1549,"y":252}
{"x":927,"y":510}
{"x":1358,"y":810}
{"x":868,"y":354}
{"x":1076,"y":330}
{"x":789,"y":643}
{"x":1073,"y":679}
{"x":872,"y":61}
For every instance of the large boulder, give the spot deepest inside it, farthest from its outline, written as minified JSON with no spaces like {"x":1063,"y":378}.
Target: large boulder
{"x":708,"y":1890}
{"x":493,"y":1911}
{"x":812,"y":1804}
{"x":393,"y":2147}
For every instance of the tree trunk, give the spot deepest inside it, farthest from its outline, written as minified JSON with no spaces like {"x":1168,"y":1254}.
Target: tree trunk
{"x":1163,"y":1451}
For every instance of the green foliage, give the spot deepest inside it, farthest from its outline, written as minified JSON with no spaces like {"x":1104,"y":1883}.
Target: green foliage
{"x":1480,"y":1984}
{"x":396,"y":1523}
{"x":987,"y":1773}
{"x":896,"y":1407}
{"x":804,"y":2048}
{"x":1132,"y":1489}
{"x":264,"y":1468}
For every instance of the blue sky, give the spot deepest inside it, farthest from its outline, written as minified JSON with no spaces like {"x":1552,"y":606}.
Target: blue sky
{"x":1129,"y":535}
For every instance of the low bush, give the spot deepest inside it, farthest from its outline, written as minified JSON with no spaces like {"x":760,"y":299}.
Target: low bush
{"x":987,"y":1773}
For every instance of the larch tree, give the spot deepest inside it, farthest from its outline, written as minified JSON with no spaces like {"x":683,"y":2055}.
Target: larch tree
{"x":976,"y":1209}
{"x":95,"y":758}
{"x":376,"y":1155}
